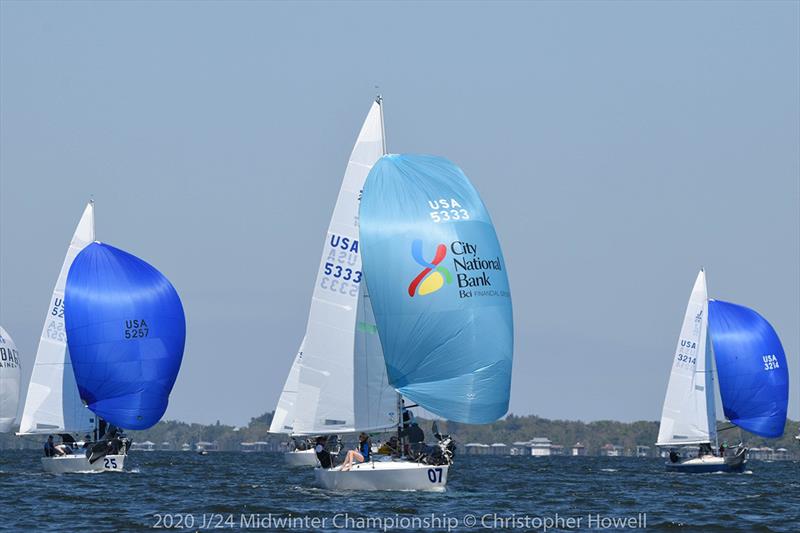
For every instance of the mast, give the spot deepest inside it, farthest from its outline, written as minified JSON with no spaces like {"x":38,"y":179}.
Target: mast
{"x":379,"y":101}
{"x":91,"y":202}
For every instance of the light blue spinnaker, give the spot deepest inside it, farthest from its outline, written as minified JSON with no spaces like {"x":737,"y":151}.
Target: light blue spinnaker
{"x":751,"y":365}
{"x":126,"y":332}
{"x":438,"y":286}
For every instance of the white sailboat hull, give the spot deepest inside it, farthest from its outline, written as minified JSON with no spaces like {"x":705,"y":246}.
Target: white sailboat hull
{"x":710,"y":463}
{"x":78,"y":463}
{"x":384,"y":475}
{"x":301,"y":458}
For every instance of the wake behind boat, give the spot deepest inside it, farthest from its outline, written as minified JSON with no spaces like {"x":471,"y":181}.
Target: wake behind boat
{"x":753,"y":381}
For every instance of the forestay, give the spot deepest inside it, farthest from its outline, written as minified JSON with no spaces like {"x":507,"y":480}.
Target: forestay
{"x":688,"y":416}
{"x":53,"y":404}
{"x":438,"y":286}
{"x":753,"y":376}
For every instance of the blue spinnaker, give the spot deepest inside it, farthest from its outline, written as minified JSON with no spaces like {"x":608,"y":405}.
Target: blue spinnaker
{"x":438,"y":287}
{"x":126,"y":332}
{"x":751,"y":365}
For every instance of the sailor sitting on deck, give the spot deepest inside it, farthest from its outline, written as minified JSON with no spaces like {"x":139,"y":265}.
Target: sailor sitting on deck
{"x":389,"y":447}
{"x":51,"y":449}
{"x":360,"y":455}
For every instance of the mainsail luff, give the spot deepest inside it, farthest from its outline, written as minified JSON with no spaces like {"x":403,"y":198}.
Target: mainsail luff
{"x":688,"y":415}
{"x":319,"y":395}
{"x":53,"y":403}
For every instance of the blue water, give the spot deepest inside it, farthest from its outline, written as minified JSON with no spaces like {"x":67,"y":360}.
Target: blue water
{"x":228,"y":489}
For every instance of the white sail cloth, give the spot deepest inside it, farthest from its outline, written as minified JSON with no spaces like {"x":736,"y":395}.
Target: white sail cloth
{"x":338,"y":383}
{"x":53,"y":404}
{"x":9,"y":381}
{"x":689,"y":416}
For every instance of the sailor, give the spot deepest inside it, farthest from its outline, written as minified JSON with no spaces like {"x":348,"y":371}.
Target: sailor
{"x":360,"y":455}
{"x":323,"y":455}
{"x":416,"y":438}
{"x":408,"y":416}
{"x":50,"y":448}
{"x":705,"y":449}
{"x":389,"y":447}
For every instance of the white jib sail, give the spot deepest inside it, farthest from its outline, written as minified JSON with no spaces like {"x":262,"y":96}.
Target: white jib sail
{"x":9,"y":381}
{"x":319,"y":396}
{"x":689,"y":415}
{"x":53,"y":404}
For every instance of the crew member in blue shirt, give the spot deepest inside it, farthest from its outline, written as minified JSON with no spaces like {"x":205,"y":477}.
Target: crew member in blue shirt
{"x":360,"y":455}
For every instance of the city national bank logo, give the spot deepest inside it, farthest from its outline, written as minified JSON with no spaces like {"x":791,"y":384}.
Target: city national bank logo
{"x":433,"y":276}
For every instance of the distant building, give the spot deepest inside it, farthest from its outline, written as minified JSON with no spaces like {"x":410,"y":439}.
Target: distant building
{"x":578,"y":450}
{"x":498,"y":448}
{"x":537,"y":446}
{"x":186,"y":447}
{"x":204,"y":446}
{"x":165,"y":446}
{"x":258,"y":446}
{"x":557,"y":449}
{"x":145,"y":446}
{"x":612,"y":450}
{"x":477,"y":448}
{"x":541,"y":446}
{"x":642,"y":451}
{"x":765,"y":453}
{"x":781,"y":454}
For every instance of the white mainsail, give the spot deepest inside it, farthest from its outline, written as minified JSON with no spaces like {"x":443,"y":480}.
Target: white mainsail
{"x":9,"y":381}
{"x":689,"y":416}
{"x":53,"y":404}
{"x":336,"y":359}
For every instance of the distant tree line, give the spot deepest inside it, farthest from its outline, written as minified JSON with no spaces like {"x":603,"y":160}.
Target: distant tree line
{"x":513,"y":428}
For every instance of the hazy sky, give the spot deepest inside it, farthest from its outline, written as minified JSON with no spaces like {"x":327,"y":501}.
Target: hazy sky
{"x":618,"y":147}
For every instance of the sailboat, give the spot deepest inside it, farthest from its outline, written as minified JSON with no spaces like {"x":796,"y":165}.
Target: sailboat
{"x":326,"y":390}
{"x":109,"y":353}
{"x":437,"y":288}
{"x":753,"y":382}
{"x":9,"y":381}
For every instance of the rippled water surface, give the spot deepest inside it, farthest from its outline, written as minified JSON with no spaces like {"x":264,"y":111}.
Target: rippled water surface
{"x":188,"y":491}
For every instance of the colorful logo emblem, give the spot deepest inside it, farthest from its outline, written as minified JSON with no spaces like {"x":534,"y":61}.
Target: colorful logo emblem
{"x":433,"y":277}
